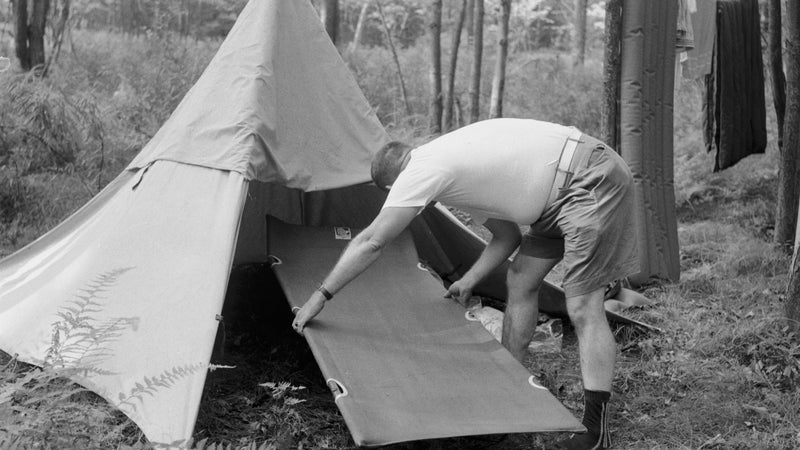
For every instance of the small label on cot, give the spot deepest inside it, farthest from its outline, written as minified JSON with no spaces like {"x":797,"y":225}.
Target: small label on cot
{"x":342,"y":233}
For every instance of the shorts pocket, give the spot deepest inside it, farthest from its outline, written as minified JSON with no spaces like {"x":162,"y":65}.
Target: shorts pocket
{"x":597,"y":153}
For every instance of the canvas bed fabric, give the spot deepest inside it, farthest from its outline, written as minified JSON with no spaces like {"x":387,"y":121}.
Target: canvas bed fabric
{"x":404,"y":362}
{"x":735,"y":118}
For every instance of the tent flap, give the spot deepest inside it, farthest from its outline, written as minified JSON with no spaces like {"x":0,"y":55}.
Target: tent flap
{"x":140,"y":273}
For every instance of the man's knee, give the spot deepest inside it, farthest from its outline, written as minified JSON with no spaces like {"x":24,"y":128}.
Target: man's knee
{"x":521,"y":281}
{"x":587,"y":308}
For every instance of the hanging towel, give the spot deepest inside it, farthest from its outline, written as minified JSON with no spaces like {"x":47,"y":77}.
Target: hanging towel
{"x":735,"y":119}
{"x":684,"y":40}
{"x":704,"y":28}
{"x":685,"y":36}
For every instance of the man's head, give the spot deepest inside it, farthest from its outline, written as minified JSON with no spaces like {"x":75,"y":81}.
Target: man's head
{"x":388,"y":163}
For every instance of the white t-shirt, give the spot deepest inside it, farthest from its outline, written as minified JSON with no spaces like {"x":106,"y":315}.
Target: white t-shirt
{"x":498,"y":168}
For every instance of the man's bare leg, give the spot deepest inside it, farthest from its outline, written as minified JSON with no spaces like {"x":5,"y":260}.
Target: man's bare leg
{"x":597,"y":350}
{"x":596,"y":344}
{"x":525,"y":276}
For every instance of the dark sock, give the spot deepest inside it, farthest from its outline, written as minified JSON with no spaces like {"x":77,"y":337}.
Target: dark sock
{"x":595,"y":419}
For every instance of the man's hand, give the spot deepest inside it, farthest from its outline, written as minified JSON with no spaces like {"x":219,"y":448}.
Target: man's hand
{"x":362,"y":251}
{"x":460,"y":291}
{"x":310,"y":310}
{"x":505,"y":239}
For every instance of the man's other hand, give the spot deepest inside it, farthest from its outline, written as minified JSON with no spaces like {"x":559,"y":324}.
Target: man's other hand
{"x":461,"y":291}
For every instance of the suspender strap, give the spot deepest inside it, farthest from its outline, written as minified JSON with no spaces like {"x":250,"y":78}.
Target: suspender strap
{"x":563,"y":174}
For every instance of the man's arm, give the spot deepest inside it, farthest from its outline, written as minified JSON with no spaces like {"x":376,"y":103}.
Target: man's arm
{"x":362,"y":251}
{"x":505,"y":239}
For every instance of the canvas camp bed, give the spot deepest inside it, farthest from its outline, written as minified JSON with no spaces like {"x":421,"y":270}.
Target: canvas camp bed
{"x":403,"y":362}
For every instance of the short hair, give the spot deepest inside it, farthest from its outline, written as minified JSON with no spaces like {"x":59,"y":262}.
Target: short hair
{"x":388,"y":162}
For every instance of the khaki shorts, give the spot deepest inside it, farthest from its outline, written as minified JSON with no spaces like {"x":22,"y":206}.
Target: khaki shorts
{"x":591,"y":224}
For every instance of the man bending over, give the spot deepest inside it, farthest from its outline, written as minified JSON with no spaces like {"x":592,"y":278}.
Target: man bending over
{"x":574,"y":192}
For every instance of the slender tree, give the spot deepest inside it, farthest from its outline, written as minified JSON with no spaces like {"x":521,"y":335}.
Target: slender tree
{"x":450,"y":95}
{"x":58,"y":33}
{"x":789,"y":171}
{"x":389,"y":39}
{"x":612,"y":66}
{"x":330,"y":17}
{"x":791,"y":136}
{"x":435,"y":26}
{"x":776,"y":64}
{"x":579,"y":32}
{"x":362,"y":19}
{"x":469,"y":21}
{"x":477,"y":61}
{"x":499,"y":80}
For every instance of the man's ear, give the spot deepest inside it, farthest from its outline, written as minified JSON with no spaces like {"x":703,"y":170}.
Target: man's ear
{"x":404,"y":162}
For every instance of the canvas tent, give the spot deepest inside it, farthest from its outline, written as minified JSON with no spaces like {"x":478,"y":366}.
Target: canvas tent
{"x":129,"y":288}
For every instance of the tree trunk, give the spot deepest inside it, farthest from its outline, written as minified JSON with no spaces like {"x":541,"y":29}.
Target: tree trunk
{"x":30,"y":29}
{"x":38,"y":26}
{"x":469,"y":21}
{"x":776,"y":65}
{"x":477,"y":60}
{"x":499,"y":80}
{"x":447,"y":119}
{"x":400,"y":78}
{"x":612,"y":63}
{"x":58,"y":37}
{"x":579,"y":33}
{"x":789,"y":169}
{"x":362,"y":18}
{"x":435,"y":113}
{"x":330,"y":17}
{"x":791,"y":135}
{"x":21,"y":34}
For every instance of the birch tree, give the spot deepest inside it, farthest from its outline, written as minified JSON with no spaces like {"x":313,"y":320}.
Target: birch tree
{"x":63,"y":8}
{"x":579,"y":32}
{"x":435,"y":26}
{"x":776,"y":64}
{"x":477,"y":61}
{"x":788,"y":175}
{"x":612,"y":64}
{"x":390,"y":41}
{"x":448,"y":113}
{"x":499,"y":80}
{"x":362,"y":19}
